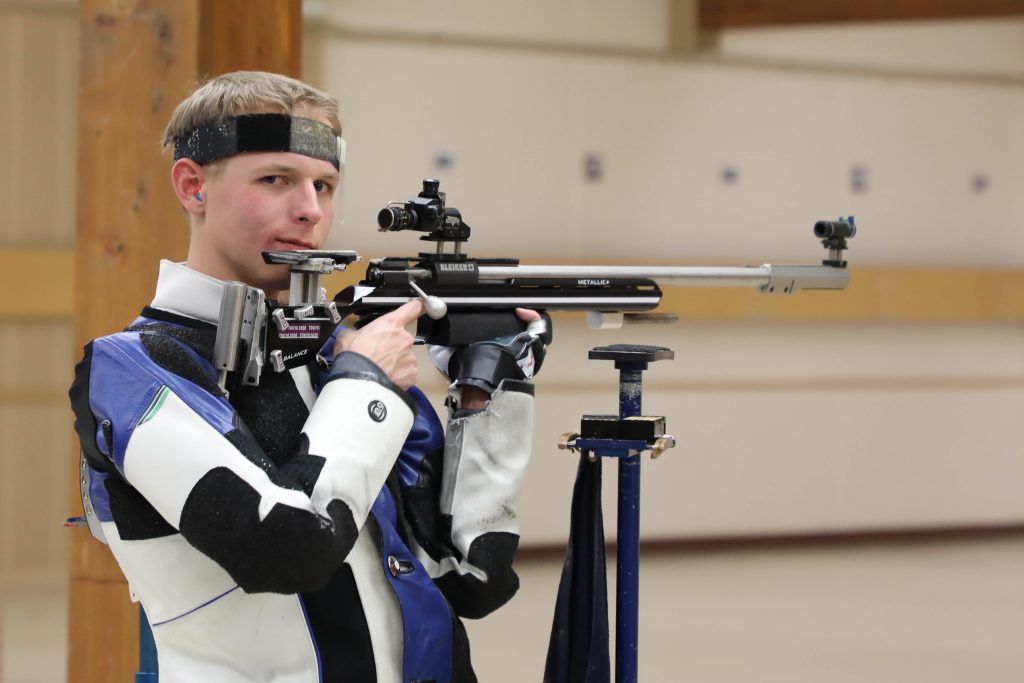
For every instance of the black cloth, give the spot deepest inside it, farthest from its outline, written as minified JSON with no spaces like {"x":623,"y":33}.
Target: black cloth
{"x":578,"y":649}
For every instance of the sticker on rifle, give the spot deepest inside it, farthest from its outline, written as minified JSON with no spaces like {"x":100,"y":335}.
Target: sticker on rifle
{"x":377,"y":410}
{"x":300,"y":331}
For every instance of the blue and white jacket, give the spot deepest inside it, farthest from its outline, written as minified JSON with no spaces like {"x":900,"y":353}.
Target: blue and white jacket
{"x":319,"y":527}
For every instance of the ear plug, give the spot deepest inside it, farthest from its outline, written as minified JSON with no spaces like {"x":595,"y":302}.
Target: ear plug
{"x":199,"y":195}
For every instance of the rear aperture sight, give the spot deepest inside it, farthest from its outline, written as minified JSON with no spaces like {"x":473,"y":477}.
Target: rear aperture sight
{"x":394,"y":218}
{"x":427,"y":213}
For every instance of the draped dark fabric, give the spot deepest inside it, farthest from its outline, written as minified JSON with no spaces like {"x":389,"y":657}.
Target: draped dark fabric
{"x":578,"y":649}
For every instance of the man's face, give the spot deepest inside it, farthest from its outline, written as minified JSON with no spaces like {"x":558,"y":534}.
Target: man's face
{"x":262,"y":201}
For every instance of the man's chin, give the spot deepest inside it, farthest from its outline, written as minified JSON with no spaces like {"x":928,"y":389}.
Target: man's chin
{"x":273,"y":280}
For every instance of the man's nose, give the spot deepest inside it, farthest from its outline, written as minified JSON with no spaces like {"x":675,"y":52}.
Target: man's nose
{"x":306,"y":208}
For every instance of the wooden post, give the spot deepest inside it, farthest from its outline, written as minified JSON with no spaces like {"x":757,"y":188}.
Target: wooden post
{"x":138,"y":60}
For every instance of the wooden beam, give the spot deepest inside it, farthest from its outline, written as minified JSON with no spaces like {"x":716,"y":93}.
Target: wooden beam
{"x":39,"y":283}
{"x":138,"y":59}
{"x":719,"y":14}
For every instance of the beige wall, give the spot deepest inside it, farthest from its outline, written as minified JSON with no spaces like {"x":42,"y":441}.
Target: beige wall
{"x":899,"y":425}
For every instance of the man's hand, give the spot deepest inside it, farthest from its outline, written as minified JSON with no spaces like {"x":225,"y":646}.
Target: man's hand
{"x":386,"y":342}
{"x":473,"y":398}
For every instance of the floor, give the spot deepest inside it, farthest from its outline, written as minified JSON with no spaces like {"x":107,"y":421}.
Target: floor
{"x":919,"y":611}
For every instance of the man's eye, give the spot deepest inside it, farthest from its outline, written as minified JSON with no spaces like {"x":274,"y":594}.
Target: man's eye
{"x":270,"y":179}
{"x":321,"y":186}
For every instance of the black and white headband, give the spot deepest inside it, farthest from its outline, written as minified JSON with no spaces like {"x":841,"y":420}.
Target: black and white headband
{"x":261,"y":133}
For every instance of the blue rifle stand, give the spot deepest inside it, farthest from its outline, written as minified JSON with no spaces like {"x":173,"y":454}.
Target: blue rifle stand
{"x":147,"y":672}
{"x":625,"y":437}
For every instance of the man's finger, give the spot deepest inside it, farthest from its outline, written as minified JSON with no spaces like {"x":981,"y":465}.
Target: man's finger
{"x":408,"y":312}
{"x":527,"y":314}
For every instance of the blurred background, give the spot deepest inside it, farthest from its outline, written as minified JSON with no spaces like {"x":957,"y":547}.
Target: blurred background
{"x":846,"y":500}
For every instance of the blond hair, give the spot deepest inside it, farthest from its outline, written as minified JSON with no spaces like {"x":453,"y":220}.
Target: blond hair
{"x":246,"y":92}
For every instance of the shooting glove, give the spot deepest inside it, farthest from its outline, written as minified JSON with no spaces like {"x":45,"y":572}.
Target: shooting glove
{"x":485,"y":364}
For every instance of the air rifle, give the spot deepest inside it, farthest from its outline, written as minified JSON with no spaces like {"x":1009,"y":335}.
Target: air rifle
{"x":469,"y":299}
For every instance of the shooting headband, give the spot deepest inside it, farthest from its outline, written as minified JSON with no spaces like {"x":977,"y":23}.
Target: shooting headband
{"x":261,"y":133}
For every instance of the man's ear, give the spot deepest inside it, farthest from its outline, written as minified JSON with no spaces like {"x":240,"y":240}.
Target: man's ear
{"x":188,"y":177}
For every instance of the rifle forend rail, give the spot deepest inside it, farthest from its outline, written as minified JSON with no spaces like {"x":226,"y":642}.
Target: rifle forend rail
{"x":771,"y":279}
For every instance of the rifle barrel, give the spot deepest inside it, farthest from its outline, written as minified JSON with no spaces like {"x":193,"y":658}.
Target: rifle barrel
{"x":691,"y":276}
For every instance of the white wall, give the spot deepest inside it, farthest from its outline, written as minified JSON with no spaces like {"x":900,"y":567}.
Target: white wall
{"x":781,"y":428}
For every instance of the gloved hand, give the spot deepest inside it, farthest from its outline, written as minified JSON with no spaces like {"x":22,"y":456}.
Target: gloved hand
{"x":485,"y":364}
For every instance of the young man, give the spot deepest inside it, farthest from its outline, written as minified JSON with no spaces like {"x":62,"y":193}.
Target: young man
{"x":320,"y":526}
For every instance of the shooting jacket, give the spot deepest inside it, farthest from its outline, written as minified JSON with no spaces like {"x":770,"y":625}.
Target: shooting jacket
{"x":318,"y":527}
